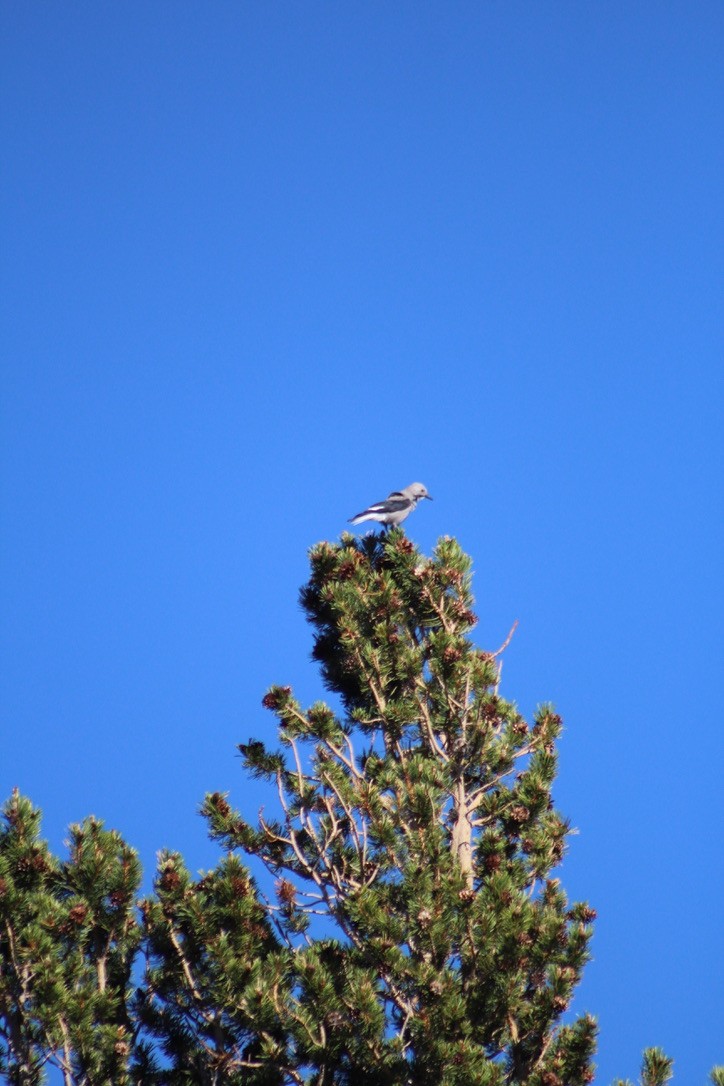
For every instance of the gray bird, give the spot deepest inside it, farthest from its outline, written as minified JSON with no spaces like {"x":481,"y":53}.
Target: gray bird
{"x":393,"y":510}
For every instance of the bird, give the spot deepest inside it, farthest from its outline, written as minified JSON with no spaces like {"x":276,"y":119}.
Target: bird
{"x":393,"y":510}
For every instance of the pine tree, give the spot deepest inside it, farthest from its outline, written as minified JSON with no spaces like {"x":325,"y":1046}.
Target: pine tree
{"x":413,"y":931}
{"x":419,"y":820}
{"x":68,"y":939}
{"x":213,"y":998}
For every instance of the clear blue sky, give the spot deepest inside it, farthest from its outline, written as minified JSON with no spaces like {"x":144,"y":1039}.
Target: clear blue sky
{"x":263,"y":263}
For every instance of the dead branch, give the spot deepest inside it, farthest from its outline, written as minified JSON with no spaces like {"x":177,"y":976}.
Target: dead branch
{"x":507,"y":641}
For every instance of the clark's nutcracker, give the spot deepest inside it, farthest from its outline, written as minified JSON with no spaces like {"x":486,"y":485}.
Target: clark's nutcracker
{"x":393,"y":510}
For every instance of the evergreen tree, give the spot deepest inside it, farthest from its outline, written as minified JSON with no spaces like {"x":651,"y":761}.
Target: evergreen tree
{"x":418,"y":819}
{"x":211,"y":1007}
{"x":68,"y":939}
{"x":413,"y":931}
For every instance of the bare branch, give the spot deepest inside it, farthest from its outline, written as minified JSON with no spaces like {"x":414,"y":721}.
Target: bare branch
{"x":507,"y":641}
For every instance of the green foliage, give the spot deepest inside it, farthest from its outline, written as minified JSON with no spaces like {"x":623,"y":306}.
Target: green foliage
{"x":656,"y":1068}
{"x":216,"y":983}
{"x":421,"y":822}
{"x":68,"y":941}
{"x":413,"y":930}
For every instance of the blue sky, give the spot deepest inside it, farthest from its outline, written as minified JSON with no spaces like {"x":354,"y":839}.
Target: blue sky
{"x":262,"y":264}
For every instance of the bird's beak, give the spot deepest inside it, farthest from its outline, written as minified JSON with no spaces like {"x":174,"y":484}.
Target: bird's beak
{"x":429,"y":497}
